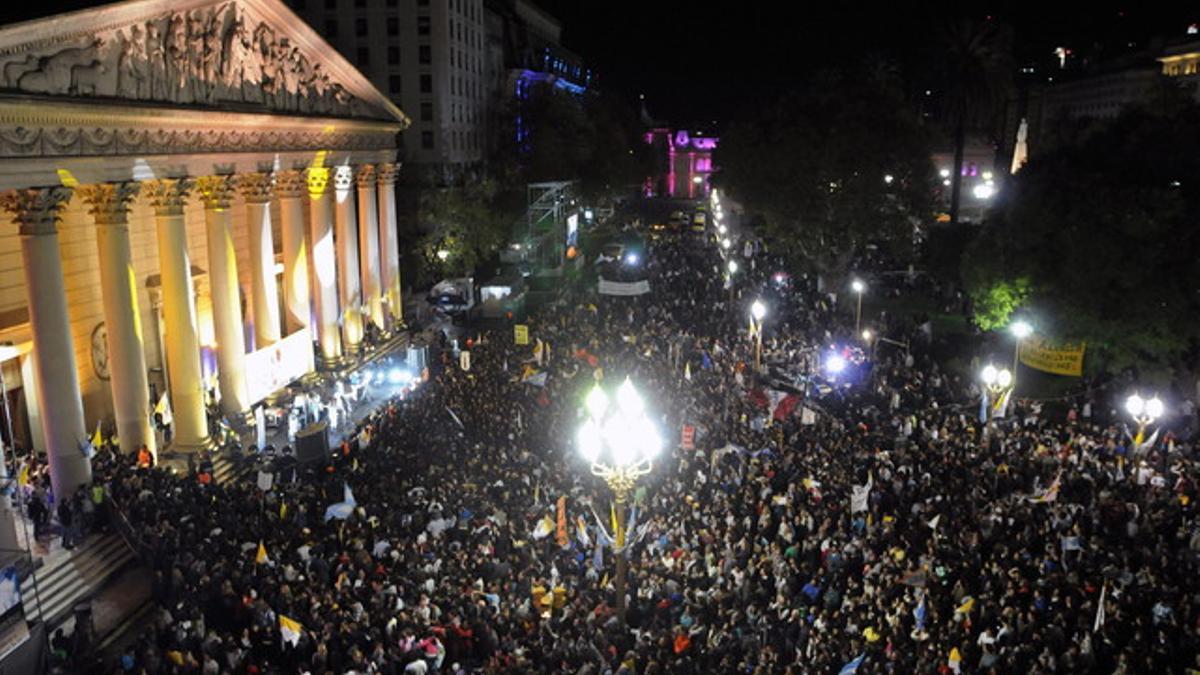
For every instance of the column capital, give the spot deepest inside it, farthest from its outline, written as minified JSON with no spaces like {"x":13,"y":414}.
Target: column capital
{"x":317,"y":178}
{"x":289,"y":183}
{"x":110,"y":202}
{"x":365,"y":176}
{"x":343,"y":178}
{"x":216,"y":192}
{"x":257,"y":187}
{"x":387,"y":173}
{"x":168,"y":195}
{"x":36,"y":210}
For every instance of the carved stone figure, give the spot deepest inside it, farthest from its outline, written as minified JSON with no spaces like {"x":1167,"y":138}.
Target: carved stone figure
{"x":54,"y":73}
{"x":85,"y":80}
{"x":206,"y":55}
{"x":156,"y":58}
{"x":177,"y":58}
{"x":13,"y":70}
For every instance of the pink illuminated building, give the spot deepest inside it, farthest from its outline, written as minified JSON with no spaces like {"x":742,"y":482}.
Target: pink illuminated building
{"x":683,"y":165}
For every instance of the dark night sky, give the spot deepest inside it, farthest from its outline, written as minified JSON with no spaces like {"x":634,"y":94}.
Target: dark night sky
{"x":696,"y":62}
{"x":699,"y":62}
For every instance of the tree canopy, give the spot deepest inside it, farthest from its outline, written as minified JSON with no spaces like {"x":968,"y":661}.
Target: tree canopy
{"x":551,"y":135}
{"x":1098,"y":241}
{"x":831,"y":168}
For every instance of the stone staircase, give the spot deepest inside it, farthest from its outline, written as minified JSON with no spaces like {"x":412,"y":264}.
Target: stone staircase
{"x":71,"y":576}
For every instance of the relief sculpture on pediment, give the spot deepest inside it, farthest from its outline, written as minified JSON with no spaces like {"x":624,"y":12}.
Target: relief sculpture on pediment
{"x":208,"y":56}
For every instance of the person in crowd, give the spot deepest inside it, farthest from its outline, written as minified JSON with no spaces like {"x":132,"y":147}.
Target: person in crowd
{"x":1039,"y":544}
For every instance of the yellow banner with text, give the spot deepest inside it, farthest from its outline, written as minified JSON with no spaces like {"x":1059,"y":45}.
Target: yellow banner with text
{"x":1063,"y":359}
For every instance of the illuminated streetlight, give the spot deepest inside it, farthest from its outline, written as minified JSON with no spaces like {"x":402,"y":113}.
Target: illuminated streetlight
{"x":866,"y":335}
{"x":983,"y":191}
{"x":997,"y":382}
{"x":721,"y":229}
{"x":620,"y":443}
{"x":725,"y":243}
{"x":1144,"y":413}
{"x":1021,"y":329}
{"x":858,"y":286}
{"x":758,"y":311}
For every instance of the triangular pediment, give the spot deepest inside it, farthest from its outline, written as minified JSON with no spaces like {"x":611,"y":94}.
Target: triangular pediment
{"x":236,"y":55}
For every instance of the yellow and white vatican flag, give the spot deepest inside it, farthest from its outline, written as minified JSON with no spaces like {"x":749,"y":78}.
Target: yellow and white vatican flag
{"x":97,"y":438}
{"x":261,"y":556}
{"x":164,"y":409}
{"x":290,"y":630}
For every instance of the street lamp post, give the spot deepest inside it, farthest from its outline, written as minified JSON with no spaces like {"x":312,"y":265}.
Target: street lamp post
{"x":757,"y":312}
{"x":1144,"y":413}
{"x":1020,"y":330}
{"x":997,"y":383}
{"x":620,"y":443}
{"x":858,"y":287}
{"x":732,"y":266}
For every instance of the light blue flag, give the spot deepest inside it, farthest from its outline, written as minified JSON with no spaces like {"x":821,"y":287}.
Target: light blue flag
{"x":920,"y":614}
{"x":852,"y":667}
{"x":983,"y":408}
{"x":86,"y":447}
{"x":344,"y":508}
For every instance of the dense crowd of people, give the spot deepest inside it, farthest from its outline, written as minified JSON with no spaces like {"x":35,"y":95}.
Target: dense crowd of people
{"x":878,"y":522}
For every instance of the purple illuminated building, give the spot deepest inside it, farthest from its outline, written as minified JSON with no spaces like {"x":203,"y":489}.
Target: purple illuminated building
{"x":683,"y":164}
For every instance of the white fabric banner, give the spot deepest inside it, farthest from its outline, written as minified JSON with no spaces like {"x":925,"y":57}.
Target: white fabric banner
{"x":272,"y":368}
{"x":625,"y":288}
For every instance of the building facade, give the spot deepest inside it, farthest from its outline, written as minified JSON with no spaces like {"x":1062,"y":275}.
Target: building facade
{"x":684,"y":162}
{"x":430,"y":57}
{"x":190,"y":191}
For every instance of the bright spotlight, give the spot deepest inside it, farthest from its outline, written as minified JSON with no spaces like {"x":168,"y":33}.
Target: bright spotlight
{"x":835,"y":364}
{"x":631,"y":258}
{"x":1022,"y":329}
{"x":983,"y":191}
{"x":399,"y":376}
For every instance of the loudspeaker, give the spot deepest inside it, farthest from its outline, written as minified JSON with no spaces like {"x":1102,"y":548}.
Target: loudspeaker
{"x":312,"y":443}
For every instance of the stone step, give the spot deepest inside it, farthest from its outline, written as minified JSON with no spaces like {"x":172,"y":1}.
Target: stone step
{"x":73,"y":577}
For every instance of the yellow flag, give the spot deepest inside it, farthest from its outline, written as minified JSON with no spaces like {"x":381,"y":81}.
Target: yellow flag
{"x":282,"y":510}
{"x":23,"y":475}
{"x":290,"y":630}
{"x":97,"y":439}
{"x":261,"y":556}
{"x":967,"y":606}
{"x":871,"y":634}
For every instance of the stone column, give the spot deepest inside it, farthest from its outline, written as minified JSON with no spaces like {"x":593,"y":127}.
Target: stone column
{"x":368,"y":245}
{"x":324,"y":265}
{"x":389,"y":244}
{"x":36,"y":212}
{"x":347,"y":258}
{"x":289,"y":188}
{"x":257,"y":190}
{"x":130,"y":385}
{"x":168,"y":196}
{"x":216,"y":193}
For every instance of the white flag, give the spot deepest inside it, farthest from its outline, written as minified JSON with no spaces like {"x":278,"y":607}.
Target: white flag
{"x":1099,"y":623}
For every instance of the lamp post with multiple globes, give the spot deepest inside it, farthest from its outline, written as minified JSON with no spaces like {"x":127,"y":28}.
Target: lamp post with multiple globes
{"x":620,"y":442}
{"x":997,"y":381}
{"x":1144,"y":412}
